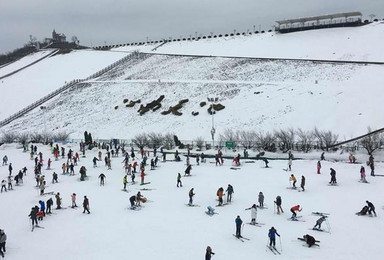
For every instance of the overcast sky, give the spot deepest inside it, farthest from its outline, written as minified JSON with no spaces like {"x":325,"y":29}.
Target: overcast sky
{"x":96,"y":22}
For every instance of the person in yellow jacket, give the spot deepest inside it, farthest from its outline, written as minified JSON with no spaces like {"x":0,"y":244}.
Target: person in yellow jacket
{"x":293,"y":179}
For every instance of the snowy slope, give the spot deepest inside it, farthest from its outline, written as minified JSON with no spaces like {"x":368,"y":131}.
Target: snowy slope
{"x":350,"y":44}
{"x":25,"y":61}
{"x":257,"y":95}
{"x":167,"y":229}
{"x":29,"y":85}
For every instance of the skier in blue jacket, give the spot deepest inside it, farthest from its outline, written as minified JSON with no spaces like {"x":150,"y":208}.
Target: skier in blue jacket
{"x":238,"y":222}
{"x":272,"y":236}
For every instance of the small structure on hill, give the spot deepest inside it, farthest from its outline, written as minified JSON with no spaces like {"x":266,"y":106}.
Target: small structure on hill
{"x":318,"y":22}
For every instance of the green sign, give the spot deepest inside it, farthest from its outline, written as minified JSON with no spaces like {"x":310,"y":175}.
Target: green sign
{"x":230,"y":144}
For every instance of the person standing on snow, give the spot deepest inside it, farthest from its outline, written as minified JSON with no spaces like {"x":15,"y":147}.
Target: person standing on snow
{"x":191,"y":194}
{"x":3,"y":240}
{"x":333,"y":177}
{"x":229,"y":193}
{"x":42,"y":207}
{"x":253,"y":213}
{"x":261,"y":200}
{"x":238,"y":223}
{"x":302,"y":183}
{"x":86,"y":205}
{"x":293,"y":179}
{"x":208,"y":253}
{"x":188,"y":170}
{"x":102,"y":177}
{"x":125,"y":181}
{"x":220,"y":194}
{"x":33,"y":215}
{"x":272,"y":233}
{"x":278,"y":203}
{"x":10,"y":168}
{"x":371,"y":164}
{"x":362,"y":174}
{"x":179,"y":180}
{"x":319,"y":222}
{"x":49,"y":205}
{"x":3,"y":185}
{"x":318,"y":167}
{"x":58,"y":201}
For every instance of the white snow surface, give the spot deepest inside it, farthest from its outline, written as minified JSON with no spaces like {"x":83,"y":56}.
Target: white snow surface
{"x":165,"y":228}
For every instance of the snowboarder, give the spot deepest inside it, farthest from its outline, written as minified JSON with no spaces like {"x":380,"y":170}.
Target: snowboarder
{"x":261,"y":200}
{"x":293,"y":210}
{"x":319,"y":222}
{"x":220,"y":194}
{"x":58,"y":201}
{"x":293,"y":179}
{"x":188,"y":171}
{"x":253,"y":213}
{"x":191,"y":194}
{"x":229,"y":191}
{"x":179,"y":180}
{"x":278,"y":205}
{"x":272,"y":233}
{"x":362,"y":175}
{"x":86,"y":205}
{"x":318,"y":167}
{"x":238,"y":223}
{"x":333,"y":177}
{"x":302,"y":183}
{"x":102,"y":178}
{"x":371,"y":208}
{"x":310,"y":240}
{"x":208,"y":253}
{"x":73,"y":200}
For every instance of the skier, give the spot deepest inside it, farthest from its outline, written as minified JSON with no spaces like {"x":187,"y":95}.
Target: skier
{"x":362,"y":175}
{"x":54,"y":177}
{"x":302,"y":183}
{"x":142,"y":175}
{"x":188,"y":170}
{"x":266,"y":162}
{"x":310,"y":240}
{"x":179,"y":180}
{"x":5,"y":160}
{"x":261,"y":200}
{"x":319,"y":222}
{"x":73,"y":200}
{"x":42,"y":206}
{"x":278,"y":205}
{"x":49,"y":205}
{"x":290,"y":164}
{"x":33,"y":215}
{"x":293,"y":210}
{"x":220,"y":194}
{"x":322,"y":157}
{"x":3,"y":240}
{"x":64,"y":167}
{"x":191,"y":194}
{"x":272,"y":233}
{"x":371,"y":164}
{"x":3,"y":185}
{"x":293,"y":179}
{"x":86,"y":205}
{"x":125,"y":181}
{"x":229,"y":193}
{"x":210,"y":211}
{"x":10,"y":183}
{"x":132,"y":200}
{"x":371,"y":208}
{"x":133,"y":177}
{"x":102,"y":177}
{"x":49,"y":164}
{"x":217,"y":159}
{"x":42,"y":188}
{"x":333,"y":177}
{"x":10,"y":168}
{"x":238,"y":223}
{"x":318,"y":167}
{"x":253,"y":213}
{"x":197,"y":159}
{"x":208,"y":253}
{"x":58,"y":201}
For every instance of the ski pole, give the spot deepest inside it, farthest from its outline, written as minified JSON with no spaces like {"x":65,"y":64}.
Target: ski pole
{"x":281,"y":245}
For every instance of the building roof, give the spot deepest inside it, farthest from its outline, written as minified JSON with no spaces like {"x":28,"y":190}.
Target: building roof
{"x":320,"y":17}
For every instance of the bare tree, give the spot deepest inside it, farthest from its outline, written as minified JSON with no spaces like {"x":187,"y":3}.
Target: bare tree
{"x":371,"y":142}
{"x":169,"y":141}
{"x":305,"y":139}
{"x":140,"y":140}
{"x":247,"y":138}
{"x":285,"y":139}
{"x":155,"y":140}
{"x":199,"y":142}
{"x":266,"y":141}
{"x":329,"y":138}
{"x":9,"y":137}
{"x":228,"y":135}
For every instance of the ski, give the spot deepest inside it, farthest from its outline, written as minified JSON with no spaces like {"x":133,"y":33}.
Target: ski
{"x":261,"y":207}
{"x":148,"y":189}
{"x":296,"y":219}
{"x":273,"y":251}
{"x":318,"y":246}
{"x":125,"y":190}
{"x":319,"y":229}
{"x":291,"y":188}
{"x":239,"y":238}
{"x":254,"y":224}
{"x":210,"y":214}
{"x":222,"y":205}
{"x":235,"y":168}
{"x":192,"y":205}
{"x":302,"y":239}
{"x":145,"y":183}
{"x":320,"y":213}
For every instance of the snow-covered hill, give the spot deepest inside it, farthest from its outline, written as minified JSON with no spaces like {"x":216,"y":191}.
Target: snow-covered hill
{"x":261,"y":94}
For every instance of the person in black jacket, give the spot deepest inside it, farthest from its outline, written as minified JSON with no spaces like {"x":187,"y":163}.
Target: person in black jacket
{"x":33,"y":215}
{"x":333,"y":176}
{"x":86,"y":205}
{"x":49,"y":205}
{"x":371,"y":208}
{"x":208,"y":253}
{"x":310,"y":240}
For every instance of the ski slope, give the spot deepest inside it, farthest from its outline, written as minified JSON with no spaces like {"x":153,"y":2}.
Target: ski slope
{"x":167,"y":229}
